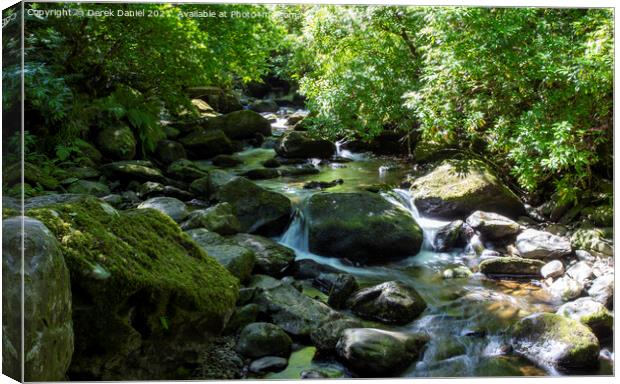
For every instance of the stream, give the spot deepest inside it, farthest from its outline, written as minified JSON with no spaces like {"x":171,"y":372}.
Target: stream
{"x":466,"y":318}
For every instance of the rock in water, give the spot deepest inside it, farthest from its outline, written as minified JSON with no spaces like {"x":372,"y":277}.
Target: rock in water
{"x":48,"y":327}
{"x":493,"y":226}
{"x":556,"y":341}
{"x":602,"y":290}
{"x":449,"y":236}
{"x":240,"y":125}
{"x":347,"y":225}
{"x":186,"y":170}
{"x":591,"y":313}
{"x":140,"y":286}
{"x":534,"y":244}
{"x":205,"y":144}
{"x":455,"y":189}
{"x":238,"y":260}
{"x":138,"y":170}
{"x":326,"y":336}
{"x":272,"y":258}
{"x":391,"y":302}
{"x":258,"y":209}
{"x":268,"y":364}
{"x":117,"y":143}
{"x":299,"y":145}
{"x":174,"y":208}
{"x":263,"y":339}
{"x":554,"y":268}
{"x":374,"y":352}
{"x":219,"y":219}
{"x":511,"y":266}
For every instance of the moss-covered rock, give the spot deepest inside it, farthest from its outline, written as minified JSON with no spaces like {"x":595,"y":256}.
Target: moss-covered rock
{"x":117,"y":143}
{"x":169,"y":151}
{"x":556,"y":341}
{"x":169,"y":206}
{"x":134,"y":170}
{"x":140,"y":286}
{"x":204,"y":144}
{"x":186,"y":170}
{"x":258,"y":209}
{"x":240,"y":125}
{"x":591,"y":313}
{"x":88,"y":187}
{"x":493,"y":226}
{"x":220,"y":219}
{"x":33,"y":175}
{"x":511,"y":266}
{"x":455,"y":189}
{"x":592,"y":240}
{"x":296,"y":144}
{"x":263,"y":339}
{"x":226,"y":161}
{"x":272,"y":258}
{"x":223,"y":101}
{"x":346,"y":225}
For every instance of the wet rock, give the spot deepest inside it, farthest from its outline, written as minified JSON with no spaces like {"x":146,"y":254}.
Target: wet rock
{"x":602,"y":290}
{"x":326,"y":336}
{"x":263,"y":339}
{"x":345,"y":225}
{"x":493,"y":226}
{"x":296,"y":118}
{"x":459,"y":272}
{"x":48,"y":326}
{"x":242,"y":317}
{"x":566,"y":288}
{"x":223,"y":101}
{"x":392,"y":302}
{"x":374,"y":352}
{"x":455,"y":189}
{"x":271,"y":163}
{"x":258,"y":209}
{"x":152,"y":189}
{"x":534,"y":244}
{"x":87,"y":187}
{"x":580,"y":271}
{"x":267,"y":105}
{"x":268,"y":364}
{"x":449,"y":236}
{"x":511,"y":266}
{"x":241,"y":125}
{"x":174,"y":208}
{"x":552,"y":269}
{"x":169,"y":151}
{"x":322,"y":184}
{"x":300,"y":145}
{"x":186,"y":170}
{"x":300,"y":170}
{"x":340,"y":289}
{"x":238,"y":260}
{"x":556,"y":341}
{"x":226,"y":161}
{"x":261,"y":173}
{"x":584,"y":256}
{"x":272,"y":258}
{"x":219,"y":219}
{"x":117,"y":143}
{"x":591,"y":313}
{"x":138,"y":170}
{"x":204,"y":144}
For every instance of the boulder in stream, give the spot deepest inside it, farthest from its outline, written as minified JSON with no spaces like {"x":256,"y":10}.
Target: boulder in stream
{"x":591,"y":313}
{"x":174,"y":208}
{"x":219,"y":218}
{"x":361,"y":227}
{"x":240,"y":125}
{"x":205,"y":144}
{"x":509,"y":265}
{"x":297,"y":144}
{"x":272,"y":258}
{"x":169,"y":151}
{"x":263,"y":339}
{"x":117,"y":143}
{"x":138,"y":170}
{"x":534,"y":244}
{"x":493,"y":226}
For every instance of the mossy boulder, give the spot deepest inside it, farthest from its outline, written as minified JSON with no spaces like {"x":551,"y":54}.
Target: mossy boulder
{"x":272,"y":258}
{"x":48,"y":327}
{"x":33,"y":175}
{"x":346,"y":225}
{"x":117,"y":143}
{"x":449,"y":236}
{"x":258,"y":209}
{"x":555,"y":341}
{"x":455,"y":189}
{"x":88,"y":187}
{"x":223,"y":101}
{"x":140,"y":286}
{"x":186,"y":170}
{"x":591,"y":313}
{"x":374,"y":352}
{"x":220,"y":219}
{"x":169,"y":206}
{"x":133,"y":170}
{"x":493,"y":226}
{"x":326,"y":336}
{"x":509,"y":265}
{"x":238,"y":260}
{"x":241,"y":125}
{"x":169,"y":151}
{"x":263,"y":339}
{"x":295,"y":144}
{"x":205,"y":144}
{"x":226,"y":161}
{"x":535,"y":244}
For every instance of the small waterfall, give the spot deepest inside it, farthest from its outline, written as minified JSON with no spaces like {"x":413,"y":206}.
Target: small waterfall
{"x":402,"y":198}
{"x":345,"y":153}
{"x":296,"y":236}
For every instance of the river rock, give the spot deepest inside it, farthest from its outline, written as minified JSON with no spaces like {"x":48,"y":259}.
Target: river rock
{"x":138,"y":170}
{"x":296,"y":313}
{"x":455,"y":189}
{"x":580,"y":271}
{"x":117,"y":143}
{"x":374,"y":352}
{"x":346,"y":225}
{"x":219,"y":219}
{"x":258,"y":209}
{"x":493,"y":226}
{"x":300,"y":145}
{"x":602,"y":290}
{"x":186,"y":170}
{"x":592,"y":240}
{"x":140,"y":286}
{"x":204,"y":144}
{"x":174,"y":208}
{"x":243,"y":316}
{"x":226,"y":161}
{"x":392,"y":302}
{"x":268,"y":364}
{"x":223,"y":101}
{"x":326,"y":336}
{"x":87,"y":187}
{"x":238,"y":260}
{"x":169,"y":151}
{"x":552,"y":269}
{"x":534,"y":244}
{"x":266,"y":105}
{"x":511,"y":266}
{"x":272,"y":258}
{"x":566,"y":288}
{"x":591,"y":313}
{"x":48,"y":326}
{"x":449,"y":236}
{"x":340,"y":289}
{"x":263,"y":339}
{"x":240,"y":125}
{"x":261,"y":173}
{"x":557,"y":341}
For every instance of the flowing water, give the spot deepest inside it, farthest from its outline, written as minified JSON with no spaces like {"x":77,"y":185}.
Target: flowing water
{"x":466,"y":318}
